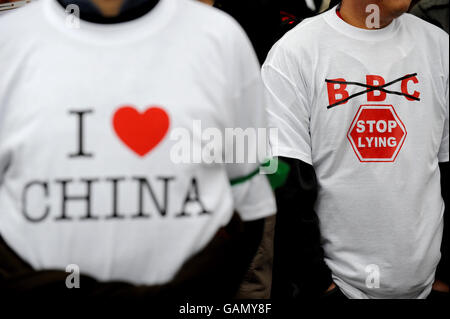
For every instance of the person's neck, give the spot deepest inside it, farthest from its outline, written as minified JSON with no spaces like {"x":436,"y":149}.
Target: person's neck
{"x":102,"y":12}
{"x":354,"y":13}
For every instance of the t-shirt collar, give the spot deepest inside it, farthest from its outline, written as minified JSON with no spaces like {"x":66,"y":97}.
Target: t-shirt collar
{"x":128,"y":31}
{"x":358,"y":33}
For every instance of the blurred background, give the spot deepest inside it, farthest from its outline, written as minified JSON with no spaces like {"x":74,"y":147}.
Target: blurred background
{"x":265,"y":21}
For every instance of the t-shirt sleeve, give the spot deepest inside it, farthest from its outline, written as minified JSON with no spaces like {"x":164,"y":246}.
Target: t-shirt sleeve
{"x":4,"y":91}
{"x":3,"y":165}
{"x":288,"y":106}
{"x":443,"y":155}
{"x":252,"y":195}
{"x":4,"y":162}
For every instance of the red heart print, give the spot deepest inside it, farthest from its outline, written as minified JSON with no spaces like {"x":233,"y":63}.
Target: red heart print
{"x":141,"y":132}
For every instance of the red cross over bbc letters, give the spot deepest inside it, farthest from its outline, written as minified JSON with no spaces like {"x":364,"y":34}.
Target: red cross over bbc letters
{"x":376,"y":133}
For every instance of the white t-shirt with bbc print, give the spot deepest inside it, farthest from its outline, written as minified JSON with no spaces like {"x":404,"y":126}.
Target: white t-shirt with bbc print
{"x":91,"y":119}
{"x":369,"y":110}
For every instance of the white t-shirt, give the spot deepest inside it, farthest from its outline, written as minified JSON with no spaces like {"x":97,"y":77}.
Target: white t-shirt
{"x":376,"y":156}
{"x":92,"y":110}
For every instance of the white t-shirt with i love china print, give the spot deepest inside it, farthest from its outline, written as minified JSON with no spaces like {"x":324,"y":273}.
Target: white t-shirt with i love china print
{"x":369,"y":110}
{"x":86,"y":122}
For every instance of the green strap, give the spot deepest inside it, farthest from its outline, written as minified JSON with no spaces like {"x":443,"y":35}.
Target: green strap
{"x":241,"y":180}
{"x":276,"y":180}
{"x":280,"y":177}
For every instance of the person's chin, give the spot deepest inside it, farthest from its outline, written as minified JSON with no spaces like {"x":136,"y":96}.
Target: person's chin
{"x":394,"y":14}
{"x":394,"y":8}
{"x":399,"y":8}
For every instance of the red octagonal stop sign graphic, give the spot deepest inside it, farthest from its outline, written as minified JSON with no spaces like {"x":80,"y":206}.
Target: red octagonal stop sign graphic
{"x":377,"y":134}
